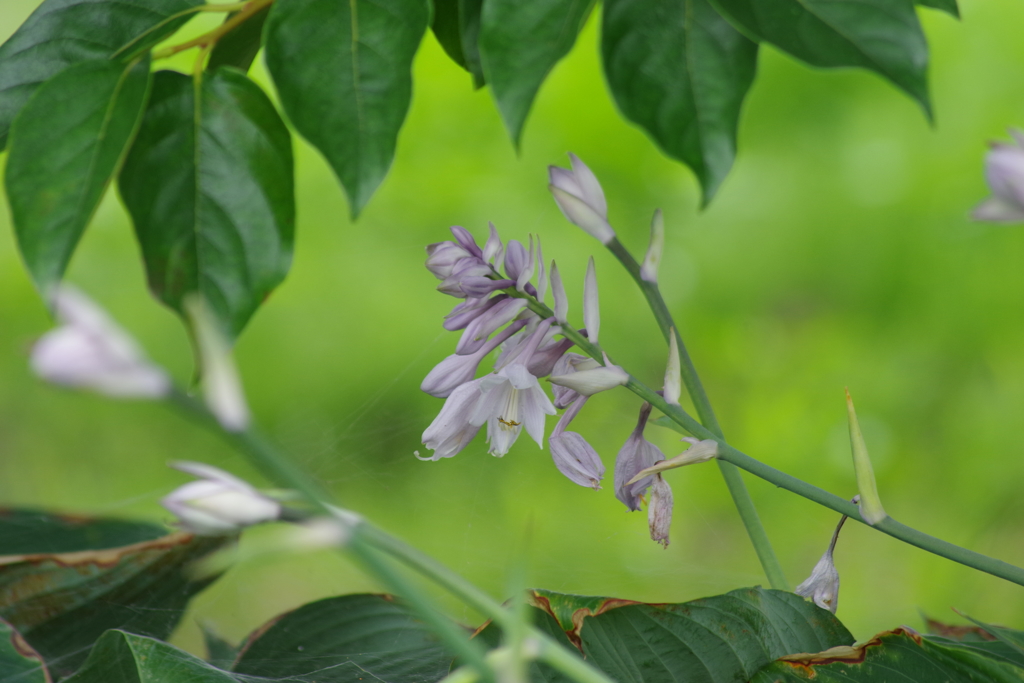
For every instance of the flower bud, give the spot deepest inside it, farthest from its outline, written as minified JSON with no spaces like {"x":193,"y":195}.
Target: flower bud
{"x":558,"y":293}
{"x":218,"y":503}
{"x":477,"y":332}
{"x":595,"y":380}
{"x":649,"y":269}
{"x":659,"y":510}
{"x":580,"y":197}
{"x":222,"y":387}
{"x":1004,"y":171}
{"x":516,"y":259}
{"x":90,"y":351}
{"x":591,"y":309}
{"x":822,"y":586}
{"x":673,"y":376}
{"x":573,"y":456}
{"x":699,"y":451}
{"x":442,"y":258}
{"x":493,"y":248}
{"x":870,"y":504}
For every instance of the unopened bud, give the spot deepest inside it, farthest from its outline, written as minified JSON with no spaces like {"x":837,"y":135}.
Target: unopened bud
{"x":649,"y":269}
{"x":870,"y":504}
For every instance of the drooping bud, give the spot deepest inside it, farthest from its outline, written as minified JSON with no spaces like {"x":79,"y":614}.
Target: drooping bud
{"x":1004,"y":171}
{"x":649,"y":269}
{"x":573,"y":456}
{"x":558,"y":293}
{"x":222,"y":387}
{"x":593,"y":380}
{"x":870,"y":504}
{"x":673,"y":375}
{"x":635,"y":455}
{"x":591,"y":308}
{"x":699,"y":451}
{"x":659,"y":510}
{"x":218,"y":503}
{"x":822,"y":586}
{"x":580,"y":197}
{"x":90,"y":351}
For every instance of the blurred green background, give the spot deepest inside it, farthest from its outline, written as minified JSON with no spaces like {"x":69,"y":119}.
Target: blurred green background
{"x":839,"y":253}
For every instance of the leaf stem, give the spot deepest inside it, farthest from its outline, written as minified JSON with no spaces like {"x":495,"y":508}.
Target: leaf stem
{"x":731,"y":455}
{"x":210,"y":38}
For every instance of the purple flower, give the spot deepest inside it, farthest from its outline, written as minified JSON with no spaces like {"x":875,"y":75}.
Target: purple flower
{"x":442,"y":257}
{"x":511,"y":400}
{"x":635,"y":455}
{"x":566,"y":365}
{"x":659,"y":510}
{"x":573,"y":456}
{"x":455,"y":369}
{"x":477,"y":332}
{"x":466,"y":312}
{"x":544,"y":358}
{"x":1004,"y":171}
{"x":451,"y":430}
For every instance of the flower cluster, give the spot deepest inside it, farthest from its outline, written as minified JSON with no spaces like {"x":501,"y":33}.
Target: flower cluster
{"x":501,"y":313}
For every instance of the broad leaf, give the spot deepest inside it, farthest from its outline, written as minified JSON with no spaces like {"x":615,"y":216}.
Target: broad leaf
{"x":343,"y":73}
{"x":18,"y":661}
{"x":901,"y":655}
{"x":124,"y":657}
{"x":93,"y":110}
{"x":330,"y":638}
{"x":64,"y":32}
{"x":880,"y":35}
{"x":219,"y":652}
{"x":469,"y":21}
{"x":948,"y":6}
{"x":680,"y":71}
{"x":61,"y":597}
{"x":722,"y":638}
{"x":238,"y":47}
{"x":447,"y":29}
{"x":209,"y":186}
{"x":520,"y":42}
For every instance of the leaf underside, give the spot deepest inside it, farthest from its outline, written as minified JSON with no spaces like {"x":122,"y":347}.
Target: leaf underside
{"x":238,"y":47}
{"x":209,"y":187}
{"x":680,"y":71}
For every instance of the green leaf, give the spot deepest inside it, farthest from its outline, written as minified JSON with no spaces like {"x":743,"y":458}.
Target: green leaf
{"x":722,"y":638}
{"x":469,"y":21}
{"x":948,"y":6}
{"x":62,"y":596}
{"x":239,"y":46}
{"x":64,"y":32}
{"x":447,"y":29}
{"x":894,"y":655}
{"x":330,"y":638}
{"x":124,"y":657}
{"x":520,"y":42}
{"x":18,"y":661}
{"x":343,"y":73}
{"x":209,"y":186}
{"x":93,"y":109}
{"x":883,"y":36}
{"x":219,"y":651}
{"x":680,"y":72}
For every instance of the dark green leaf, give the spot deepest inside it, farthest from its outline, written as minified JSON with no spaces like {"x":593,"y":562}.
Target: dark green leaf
{"x":469,"y":21}
{"x":62,"y":597}
{"x":880,"y":35}
{"x":520,"y":42}
{"x":219,"y":652}
{"x":123,"y":657}
{"x":448,"y":29}
{"x":722,"y":638}
{"x":210,"y":191}
{"x":343,"y":72}
{"x":899,"y":655}
{"x":64,"y":32}
{"x":680,"y":71}
{"x":33,"y":532}
{"x":18,"y":661}
{"x":948,"y":6}
{"x":93,"y":109}
{"x":238,"y":47}
{"x":331,"y":638}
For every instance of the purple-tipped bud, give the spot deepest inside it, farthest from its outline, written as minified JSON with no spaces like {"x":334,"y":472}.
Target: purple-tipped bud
{"x":1004,"y":171}
{"x":635,"y":455}
{"x":451,"y":430}
{"x":573,"y":456}
{"x":466,"y":241}
{"x":477,"y":286}
{"x":484,"y":325}
{"x":546,"y":355}
{"x":462,"y":272}
{"x":456,"y":370}
{"x":580,"y":197}
{"x":466,"y":312}
{"x":659,"y":510}
{"x":516,"y":259}
{"x":558,"y":292}
{"x":493,"y":248}
{"x":593,"y":380}
{"x":591,"y":309}
{"x":542,"y":274}
{"x":442,"y":257}
{"x":523,"y":279}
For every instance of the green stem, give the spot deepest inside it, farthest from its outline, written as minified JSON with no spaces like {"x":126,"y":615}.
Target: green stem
{"x":367,"y":541}
{"x":735,"y":457}
{"x":733,"y":479}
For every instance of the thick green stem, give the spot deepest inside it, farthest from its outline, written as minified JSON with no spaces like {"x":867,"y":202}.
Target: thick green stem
{"x":733,"y":479}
